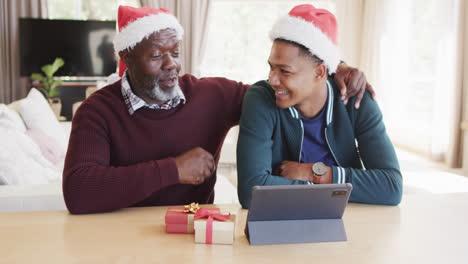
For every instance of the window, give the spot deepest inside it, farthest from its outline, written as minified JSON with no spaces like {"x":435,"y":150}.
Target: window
{"x":87,"y":9}
{"x":412,"y":50}
{"x":417,"y":71}
{"x":237,"y":42}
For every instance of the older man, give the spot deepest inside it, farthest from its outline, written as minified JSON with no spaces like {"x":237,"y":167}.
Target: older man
{"x":151,"y":138}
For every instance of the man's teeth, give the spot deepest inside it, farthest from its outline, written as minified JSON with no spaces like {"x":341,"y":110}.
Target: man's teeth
{"x":281,"y":92}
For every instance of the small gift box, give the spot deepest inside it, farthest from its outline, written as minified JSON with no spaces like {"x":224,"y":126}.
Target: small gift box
{"x":179,"y":219}
{"x":214,"y":227}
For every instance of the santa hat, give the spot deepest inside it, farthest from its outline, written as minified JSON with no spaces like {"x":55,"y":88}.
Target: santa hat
{"x":136,"y":24}
{"x":313,"y":28}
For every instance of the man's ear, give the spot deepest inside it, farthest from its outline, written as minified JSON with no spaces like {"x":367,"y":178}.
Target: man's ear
{"x":321,"y":71}
{"x":123,"y":54}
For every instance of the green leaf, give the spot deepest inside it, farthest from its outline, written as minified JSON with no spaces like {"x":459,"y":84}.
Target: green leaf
{"x":59,"y":62}
{"x":53,"y":92}
{"x":47,"y":69}
{"x":54,"y":84}
{"x":50,"y":69}
{"x":37,"y":77}
{"x":48,"y":83}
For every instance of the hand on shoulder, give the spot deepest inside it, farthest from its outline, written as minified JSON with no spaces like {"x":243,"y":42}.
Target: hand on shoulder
{"x":352,"y":82}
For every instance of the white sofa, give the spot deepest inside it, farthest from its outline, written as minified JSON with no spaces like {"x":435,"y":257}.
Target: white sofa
{"x":32,"y":149}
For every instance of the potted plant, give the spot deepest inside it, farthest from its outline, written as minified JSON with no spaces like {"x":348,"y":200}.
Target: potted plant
{"x":48,"y":85}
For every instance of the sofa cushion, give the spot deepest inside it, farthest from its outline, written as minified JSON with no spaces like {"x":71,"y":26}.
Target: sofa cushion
{"x":37,"y":114}
{"x":10,"y":118}
{"x":49,"y":146}
{"x":21,"y":161}
{"x":15,"y":105}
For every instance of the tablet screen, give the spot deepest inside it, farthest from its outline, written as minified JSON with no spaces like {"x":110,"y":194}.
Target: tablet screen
{"x":298,"y":202}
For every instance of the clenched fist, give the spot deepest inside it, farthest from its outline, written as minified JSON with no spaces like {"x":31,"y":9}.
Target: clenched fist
{"x":195,"y":166}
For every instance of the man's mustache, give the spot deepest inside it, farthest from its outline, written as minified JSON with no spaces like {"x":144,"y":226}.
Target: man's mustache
{"x":150,"y":81}
{"x":168,"y":76}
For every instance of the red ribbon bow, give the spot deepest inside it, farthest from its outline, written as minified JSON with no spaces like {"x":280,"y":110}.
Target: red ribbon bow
{"x":203,"y":213}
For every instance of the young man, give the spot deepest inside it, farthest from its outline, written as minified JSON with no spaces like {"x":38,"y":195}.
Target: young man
{"x":151,"y":138}
{"x":294,"y":129}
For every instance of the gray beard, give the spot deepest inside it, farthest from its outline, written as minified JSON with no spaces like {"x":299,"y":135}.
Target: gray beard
{"x":156,"y":93}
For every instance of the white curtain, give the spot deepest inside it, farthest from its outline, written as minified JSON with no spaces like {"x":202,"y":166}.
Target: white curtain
{"x":464,"y":125}
{"x":12,"y":87}
{"x":411,"y":56}
{"x":349,"y":14}
{"x":193,"y":16}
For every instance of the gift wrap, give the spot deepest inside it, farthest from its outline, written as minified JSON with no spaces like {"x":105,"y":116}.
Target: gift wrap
{"x":215,"y":228}
{"x":180,"y":219}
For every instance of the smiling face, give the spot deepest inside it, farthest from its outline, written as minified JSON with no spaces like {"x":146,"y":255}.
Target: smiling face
{"x":154,"y":66}
{"x":296,"y":78}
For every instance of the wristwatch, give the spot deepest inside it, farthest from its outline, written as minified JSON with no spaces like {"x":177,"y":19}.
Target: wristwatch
{"x":319,"y":169}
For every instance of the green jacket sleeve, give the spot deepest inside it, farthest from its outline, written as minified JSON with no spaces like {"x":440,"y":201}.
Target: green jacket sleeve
{"x":254,"y":146}
{"x":380,"y":182}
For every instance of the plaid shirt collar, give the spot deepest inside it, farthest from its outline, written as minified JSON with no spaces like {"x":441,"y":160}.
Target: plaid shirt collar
{"x":134,"y":102}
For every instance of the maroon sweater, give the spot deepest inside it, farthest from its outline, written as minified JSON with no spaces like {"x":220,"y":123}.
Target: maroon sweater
{"x":116,"y":160}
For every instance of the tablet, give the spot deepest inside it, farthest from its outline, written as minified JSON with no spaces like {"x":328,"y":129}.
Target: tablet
{"x":304,"y":209}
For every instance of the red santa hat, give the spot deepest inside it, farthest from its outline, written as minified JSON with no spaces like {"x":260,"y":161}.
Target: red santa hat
{"x":136,"y":24}
{"x":314,"y":28}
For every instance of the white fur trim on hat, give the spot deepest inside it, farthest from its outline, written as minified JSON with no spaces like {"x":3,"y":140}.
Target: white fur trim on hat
{"x":141,"y":28}
{"x":305,"y":33}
